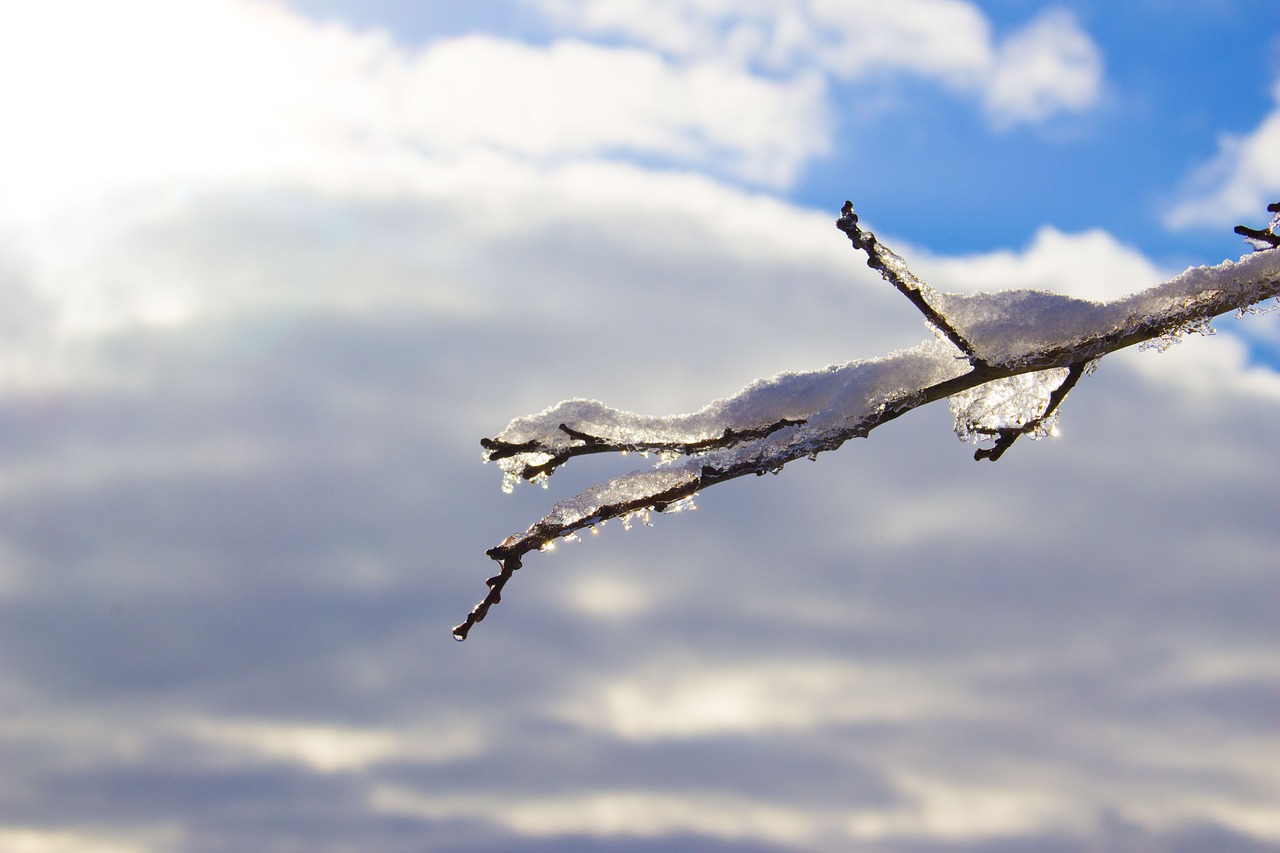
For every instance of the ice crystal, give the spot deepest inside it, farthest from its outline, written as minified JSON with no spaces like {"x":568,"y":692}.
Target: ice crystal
{"x":1174,"y":336}
{"x":1004,"y":404}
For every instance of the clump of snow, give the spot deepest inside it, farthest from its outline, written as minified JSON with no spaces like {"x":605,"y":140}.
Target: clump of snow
{"x":825,"y":400}
{"x":1012,"y":327}
{"x":1006,"y":327}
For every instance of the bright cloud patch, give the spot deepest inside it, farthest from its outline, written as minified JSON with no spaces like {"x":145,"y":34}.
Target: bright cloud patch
{"x":1047,"y":67}
{"x":578,"y":99}
{"x":1239,"y":182}
{"x":144,"y":91}
{"x":1091,"y":265}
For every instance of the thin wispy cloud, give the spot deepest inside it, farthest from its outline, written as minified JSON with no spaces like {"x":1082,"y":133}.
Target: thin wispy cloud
{"x":1244,"y":176}
{"x":1046,"y":66}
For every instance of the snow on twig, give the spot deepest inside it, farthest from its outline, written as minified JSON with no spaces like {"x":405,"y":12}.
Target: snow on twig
{"x":1006,"y":360}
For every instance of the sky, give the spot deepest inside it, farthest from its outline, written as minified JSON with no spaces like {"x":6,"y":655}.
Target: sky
{"x":270,"y":270}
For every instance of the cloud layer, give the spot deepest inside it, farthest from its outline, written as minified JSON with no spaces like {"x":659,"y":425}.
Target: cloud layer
{"x":246,"y":363}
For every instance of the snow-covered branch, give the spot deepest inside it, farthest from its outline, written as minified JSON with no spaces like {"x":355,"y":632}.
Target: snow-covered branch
{"x":1004,"y":360}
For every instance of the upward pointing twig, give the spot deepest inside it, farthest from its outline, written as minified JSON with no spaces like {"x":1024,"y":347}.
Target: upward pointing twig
{"x":894,"y":270}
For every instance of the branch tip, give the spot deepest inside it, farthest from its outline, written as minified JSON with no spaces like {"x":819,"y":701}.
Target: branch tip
{"x":1269,"y":236}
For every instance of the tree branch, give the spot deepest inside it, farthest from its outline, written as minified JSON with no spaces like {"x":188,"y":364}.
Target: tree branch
{"x":498,"y":449}
{"x":990,"y":338}
{"x":894,"y":270}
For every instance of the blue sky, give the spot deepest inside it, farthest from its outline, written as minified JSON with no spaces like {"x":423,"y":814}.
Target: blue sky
{"x":1187,"y":74}
{"x":270,"y":271}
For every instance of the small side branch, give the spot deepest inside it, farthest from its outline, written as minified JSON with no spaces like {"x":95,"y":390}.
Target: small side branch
{"x":894,"y":270}
{"x":510,"y":553}
{"x":1268,"y":236}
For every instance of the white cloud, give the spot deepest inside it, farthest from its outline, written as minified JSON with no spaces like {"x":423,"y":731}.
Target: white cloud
{"x":575,"y":99}
{"x":145,"y":91}
{"x":16,"y":840}
{"x":1047,"y":67}
{"x":759,"y":696}
{"x":612,"y":814}
{"x":1238,"y":183}
{"x":1089,"y":265}
{"x":949,"y":40}
{"x":330,"y":748}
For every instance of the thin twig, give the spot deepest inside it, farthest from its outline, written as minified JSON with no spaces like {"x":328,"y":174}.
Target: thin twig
{"x":894,"y":270}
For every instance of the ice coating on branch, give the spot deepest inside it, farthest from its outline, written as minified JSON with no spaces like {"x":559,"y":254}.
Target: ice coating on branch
{"x":1010,"y":403}
{"x":588,"y":505}
{"x":1013,"y":327}
{"x":758,"y":423}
